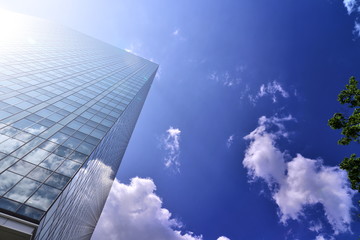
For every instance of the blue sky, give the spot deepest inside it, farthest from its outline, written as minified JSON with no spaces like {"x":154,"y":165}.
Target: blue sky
{"x":233,"y":138}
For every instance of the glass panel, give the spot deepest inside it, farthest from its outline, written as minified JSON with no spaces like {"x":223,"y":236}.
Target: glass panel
{"x":44,"y":112}
{"x":23,"y":136}
{"x":80,"y":135}
{"x":8,"y":180}
{"x":13,"y":110}
{"x":86,"y":129}
{"x":34,"y":117}
{"x":63,"y":151}
{"x":31,"y":212}
{"x":25,"y":149}
{"x":23,"y":190}
{"x":7,"y":162}
{"x":9,"y":131}
{"x":47,"y":122}
{"x":8,"y":204}
{"x":107,"y":123}
{"x":67,"y":130}
{"x":81,"y":119}
{"x":43,"y":197}
{"x":22,"y":167}
{"x":63,"y":112}
{"x":36,"y":156}
{"x":12,"y":100}
{"x":98,"y":134}
{"x":57,"y":180}
{"x":10,"y":145}
{"x":68,"y":168}
{"x":4,"y":114}
{"x":92,"y":140}
{"x":24,"y":105}
{"x":55,"y":117}
{"x":85,"y":148}
{"x":78,"y":157}
{"x":72,"y":143}
{"x":103,"y":128}
{"x":36,"y":129}
{"x":59,"y":138}
{"x":75,"y":125}
{"x":3,"y":138}
{"x":48,"y":146}
{"x":40,"y":174}
{"x":91,"y":123}
{"x":23,"y":123}
{"x":52,"y":162}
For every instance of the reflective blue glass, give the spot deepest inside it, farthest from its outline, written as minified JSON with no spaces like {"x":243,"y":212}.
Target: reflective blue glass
{"x":68,"y":106}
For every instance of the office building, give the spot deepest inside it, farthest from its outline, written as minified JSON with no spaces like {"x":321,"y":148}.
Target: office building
{"x":68,"y":106}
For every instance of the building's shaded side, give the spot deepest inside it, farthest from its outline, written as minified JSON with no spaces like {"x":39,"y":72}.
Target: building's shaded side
{"x":68,"y":106}
{"x":75,"y":214}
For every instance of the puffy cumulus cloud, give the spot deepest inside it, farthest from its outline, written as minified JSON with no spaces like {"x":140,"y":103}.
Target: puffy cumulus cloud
{"x":297,"y":182}
{"x":135,"y":212}
{"x":350,"y":5}
{"x":309,"y":182}
{"x":262,"y":158}
{"x":223,"y":238}
{"x":171,"y":144}
{"x":272,"y":89}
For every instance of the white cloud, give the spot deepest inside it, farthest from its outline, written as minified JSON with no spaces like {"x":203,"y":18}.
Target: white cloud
{"x":230,"y":140}
{"x":225,"y":78}
{"x":179,"y":35}
{"x":134,"y":48}
{"x":262,"y":158}
{"x":158,"y":73}
{"x":135,"y":212}
{"x":241,"y":68}
{"x":171,"y":144}
{"x":230,"y":81}
{"x":245,"y":92}
{"x":272,"y":89}
{"x":214,"y":76}
{"x":176,"y":32}
{"x":321,"y":237}
{"x":223,"y":238}
{"x":297,"y":182}
{"x":353,"y":6}
{"x":350,"y":5}
{"x":357,"y":29}
{"x":315,"y":226}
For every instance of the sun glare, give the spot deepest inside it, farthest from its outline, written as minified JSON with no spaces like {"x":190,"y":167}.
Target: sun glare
{"x":12,"y":27}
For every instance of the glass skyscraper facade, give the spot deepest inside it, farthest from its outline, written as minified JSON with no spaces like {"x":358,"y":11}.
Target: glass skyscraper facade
{"x":68,"y":106}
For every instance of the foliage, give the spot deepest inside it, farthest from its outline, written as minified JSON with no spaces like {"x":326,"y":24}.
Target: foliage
{"x":350,"y":126}
{"x":352,"y":166}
